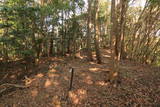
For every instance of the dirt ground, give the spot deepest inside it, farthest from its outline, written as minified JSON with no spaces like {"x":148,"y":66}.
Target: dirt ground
{"x":139,"y":85}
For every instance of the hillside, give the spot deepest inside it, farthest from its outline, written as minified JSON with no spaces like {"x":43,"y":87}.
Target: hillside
{"x":47,"y":86}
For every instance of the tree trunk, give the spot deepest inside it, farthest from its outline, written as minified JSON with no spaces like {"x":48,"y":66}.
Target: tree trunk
{"x":114,"y":65}
{"x":89,"y":52}
{"x":51,"y":46}
{"x":124,"y":6}
{"x":63,"y":36}
{"x":97,"y":32}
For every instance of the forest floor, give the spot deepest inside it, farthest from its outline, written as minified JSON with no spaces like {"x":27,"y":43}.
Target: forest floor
{"x":48,"y":86}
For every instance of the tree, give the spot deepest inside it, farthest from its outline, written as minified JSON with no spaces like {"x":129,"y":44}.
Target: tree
{"x":89,"y":52}
{"x":97,"y":32}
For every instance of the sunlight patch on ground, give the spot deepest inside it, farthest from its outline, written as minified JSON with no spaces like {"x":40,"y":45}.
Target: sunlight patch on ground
{"x":56,"y":58}
{"x":102,"y":83}
{"x":34,"y":92}
{"x":83,"y":74}
{"x":88,"y":77}
{"x":55,"y":83}
{"x":115,"y":74}
{"x":51,"y":75}
{"x":93,"y":63}
{"x":56,"y":102}
{"x":52,"y":70}
{"x":88,"y":80}
{"x":74,"y":98}
{"x":107,"y":70}
{"x":108,"y":51}
{"x":40,"y":75}
{"x":107,"y":56}
{"x":66,"y":78}
{"x":81,"y":92}
{"x":48,"y":83}
{"x":78,"y":96}
{"x":13,"y":76}
{"x":94,"y":69}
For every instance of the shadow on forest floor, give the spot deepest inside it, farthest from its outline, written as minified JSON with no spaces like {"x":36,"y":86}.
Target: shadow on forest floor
{"x":49,"y":83}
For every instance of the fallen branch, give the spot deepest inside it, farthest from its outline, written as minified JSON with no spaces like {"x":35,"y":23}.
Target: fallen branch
{"x":1,"y":91}
{"x":4,"y":78}
{"x":14,"y":85}
{"x":7,"y":86}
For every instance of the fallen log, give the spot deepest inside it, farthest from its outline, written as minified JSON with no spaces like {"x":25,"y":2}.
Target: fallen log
{"x":7,"y":87}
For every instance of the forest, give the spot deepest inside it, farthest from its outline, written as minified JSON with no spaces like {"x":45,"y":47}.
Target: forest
{"x":79,"y":53}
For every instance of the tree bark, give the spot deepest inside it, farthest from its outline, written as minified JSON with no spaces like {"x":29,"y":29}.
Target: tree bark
{"x":97,"y":33}
{"x":114,"y":65}
{"x":89,"y":52}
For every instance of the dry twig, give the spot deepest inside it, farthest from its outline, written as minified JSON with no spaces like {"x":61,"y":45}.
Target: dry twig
{"x":14,"y":85}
